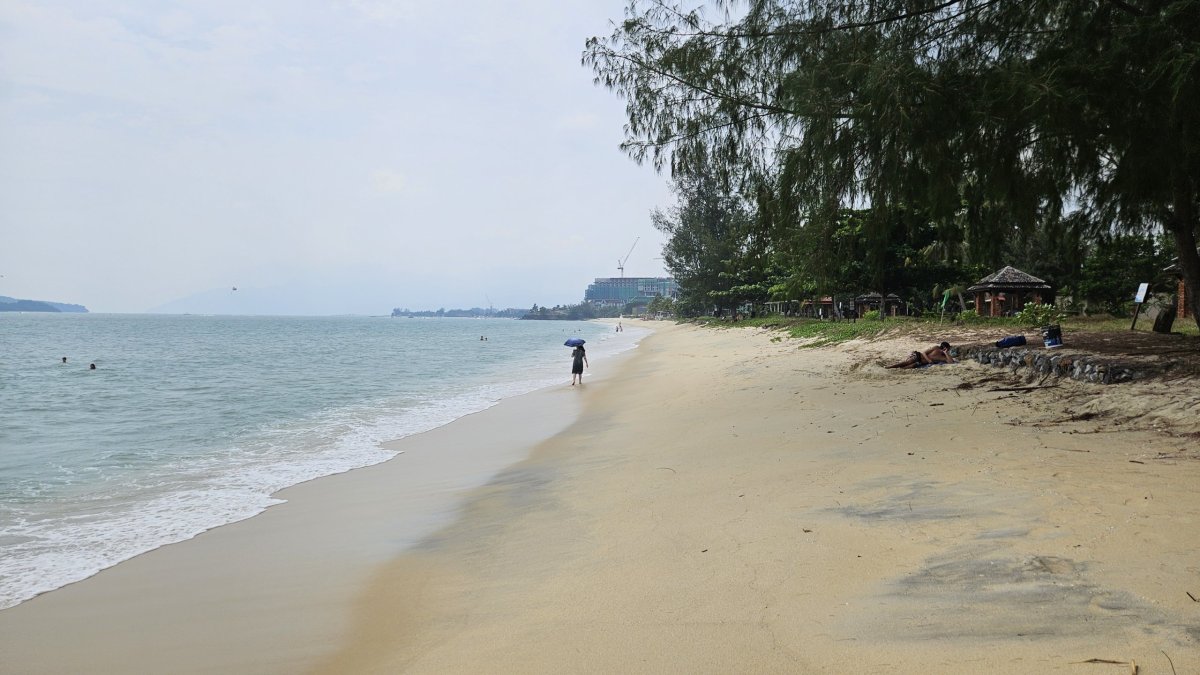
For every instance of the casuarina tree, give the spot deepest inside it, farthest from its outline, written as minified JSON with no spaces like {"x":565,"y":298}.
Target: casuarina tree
{"x":990,"y":117}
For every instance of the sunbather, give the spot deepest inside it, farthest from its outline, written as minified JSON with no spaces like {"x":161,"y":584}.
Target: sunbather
{"x":935,"y":354}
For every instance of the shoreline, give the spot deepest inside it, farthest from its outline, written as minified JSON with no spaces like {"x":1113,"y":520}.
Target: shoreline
{"x":102,"y":467}
{"x":718,"y":501}
{"x":274,"y":589}
{"x":733,"y":504}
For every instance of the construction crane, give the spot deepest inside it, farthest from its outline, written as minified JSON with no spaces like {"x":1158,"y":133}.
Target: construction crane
{"x":621,"y":262}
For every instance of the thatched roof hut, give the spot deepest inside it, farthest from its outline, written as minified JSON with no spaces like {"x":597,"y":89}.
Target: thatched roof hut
{"x":1006,"y":292}
{"x":869,"y":302}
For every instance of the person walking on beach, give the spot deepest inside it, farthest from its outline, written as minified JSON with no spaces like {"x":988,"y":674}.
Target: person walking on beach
{"x":578,"y":362}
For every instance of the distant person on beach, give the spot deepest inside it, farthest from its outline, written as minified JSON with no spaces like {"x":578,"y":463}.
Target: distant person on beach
{"x":578,"y":362}
{"x":935,"y":354}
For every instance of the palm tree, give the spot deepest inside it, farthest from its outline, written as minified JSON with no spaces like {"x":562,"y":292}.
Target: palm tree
{"x":956,"y":289}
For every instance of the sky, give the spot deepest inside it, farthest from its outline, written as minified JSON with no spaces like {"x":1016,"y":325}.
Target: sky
{"x":338,"y":157}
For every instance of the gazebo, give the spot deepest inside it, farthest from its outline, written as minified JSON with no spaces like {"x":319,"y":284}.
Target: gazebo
{"x":869,"y":302}
{"x":1007,"y":291}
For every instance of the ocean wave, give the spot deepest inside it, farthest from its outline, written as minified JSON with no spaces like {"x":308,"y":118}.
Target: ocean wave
{"x":125,"y":503}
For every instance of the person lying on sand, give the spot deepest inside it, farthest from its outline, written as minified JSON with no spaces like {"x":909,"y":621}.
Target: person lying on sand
{"x":935,"y":354}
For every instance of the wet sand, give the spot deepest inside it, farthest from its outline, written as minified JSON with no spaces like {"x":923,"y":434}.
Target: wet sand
{"x":274,"y":593}
{"x":723,"y":502}
{"x":733,"y":504}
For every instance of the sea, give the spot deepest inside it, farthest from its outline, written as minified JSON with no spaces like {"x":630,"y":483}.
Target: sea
{"x":192,"y":422}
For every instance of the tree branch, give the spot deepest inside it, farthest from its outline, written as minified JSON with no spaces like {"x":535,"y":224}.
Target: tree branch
{"x":832,"y":29}
{"x":756,"y":105}
{"x":1126,"y":7}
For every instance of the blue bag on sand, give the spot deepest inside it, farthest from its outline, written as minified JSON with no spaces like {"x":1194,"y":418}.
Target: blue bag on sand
{"x":1011,"y":341}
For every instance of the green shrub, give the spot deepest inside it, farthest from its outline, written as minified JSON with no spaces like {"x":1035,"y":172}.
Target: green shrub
{"x":970,"y":318}
{"x":1039,"y":315}
{"x":822,"y":333}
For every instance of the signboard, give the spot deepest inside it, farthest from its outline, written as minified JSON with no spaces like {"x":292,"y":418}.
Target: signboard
{"x":1141,"y":293}
{"x":1139,"y":299}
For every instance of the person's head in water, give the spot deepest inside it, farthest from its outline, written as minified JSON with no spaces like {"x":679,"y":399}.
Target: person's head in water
{"x":92,"y":367}
{"x":64,"y":359}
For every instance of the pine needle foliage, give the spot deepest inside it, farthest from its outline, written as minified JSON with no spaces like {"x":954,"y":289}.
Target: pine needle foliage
{"x":994,"y":119}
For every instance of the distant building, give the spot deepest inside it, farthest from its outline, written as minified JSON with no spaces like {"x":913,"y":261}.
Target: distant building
{"x":620,"y":291}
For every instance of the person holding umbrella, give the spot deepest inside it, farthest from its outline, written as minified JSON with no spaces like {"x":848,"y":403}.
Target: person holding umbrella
{"x":578,"y":360}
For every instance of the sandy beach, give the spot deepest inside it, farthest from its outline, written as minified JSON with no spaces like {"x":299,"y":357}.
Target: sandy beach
{"x":720,"y":501}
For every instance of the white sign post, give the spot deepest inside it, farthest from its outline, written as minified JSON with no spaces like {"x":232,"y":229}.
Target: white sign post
{"x":1139,"y":299}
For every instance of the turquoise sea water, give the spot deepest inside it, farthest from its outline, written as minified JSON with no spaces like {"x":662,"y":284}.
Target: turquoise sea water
{"x":191,"y":422}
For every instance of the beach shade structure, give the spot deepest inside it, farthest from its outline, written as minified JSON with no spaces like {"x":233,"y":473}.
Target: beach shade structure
{"x":574,"y":342}
{"x":1005,"y":293}
{"x":869,"y":302}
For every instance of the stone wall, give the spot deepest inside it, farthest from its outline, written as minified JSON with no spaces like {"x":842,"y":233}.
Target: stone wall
{"x":1038,"y":361}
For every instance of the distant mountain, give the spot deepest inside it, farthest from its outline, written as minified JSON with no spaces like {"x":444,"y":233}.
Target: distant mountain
{"x":8,"y":304}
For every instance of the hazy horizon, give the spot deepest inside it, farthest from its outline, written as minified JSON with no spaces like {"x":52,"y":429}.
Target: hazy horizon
{"x":343,"y":158}
{"x":225,"y":302}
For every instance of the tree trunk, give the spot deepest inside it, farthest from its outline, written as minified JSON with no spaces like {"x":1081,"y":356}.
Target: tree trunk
{"x":1191,"y":280}
{"x":1184,"y":232}
{"x":1182,"y":225}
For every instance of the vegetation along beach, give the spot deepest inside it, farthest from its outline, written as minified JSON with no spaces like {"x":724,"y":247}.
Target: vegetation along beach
{"x":862,"y":337}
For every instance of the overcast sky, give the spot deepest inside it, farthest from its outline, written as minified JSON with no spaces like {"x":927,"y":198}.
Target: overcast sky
{"x":347,"y":156}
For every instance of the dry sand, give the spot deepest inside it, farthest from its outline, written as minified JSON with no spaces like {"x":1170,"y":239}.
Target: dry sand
{"x":725,"y":502}
{"x":733,"y":504}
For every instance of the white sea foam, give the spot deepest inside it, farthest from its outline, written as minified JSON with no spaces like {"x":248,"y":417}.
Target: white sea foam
{"x":103,"y":515}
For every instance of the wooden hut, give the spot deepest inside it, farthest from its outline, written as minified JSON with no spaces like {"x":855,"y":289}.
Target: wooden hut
{"x":869,"y":302}
{"x":1006,"y":292}
{"x":821,"y":308}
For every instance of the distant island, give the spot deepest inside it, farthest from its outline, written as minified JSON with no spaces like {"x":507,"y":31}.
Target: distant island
{"x":8,"y":304}
{"x":580,"y":312}
{"x":473,"y":313}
